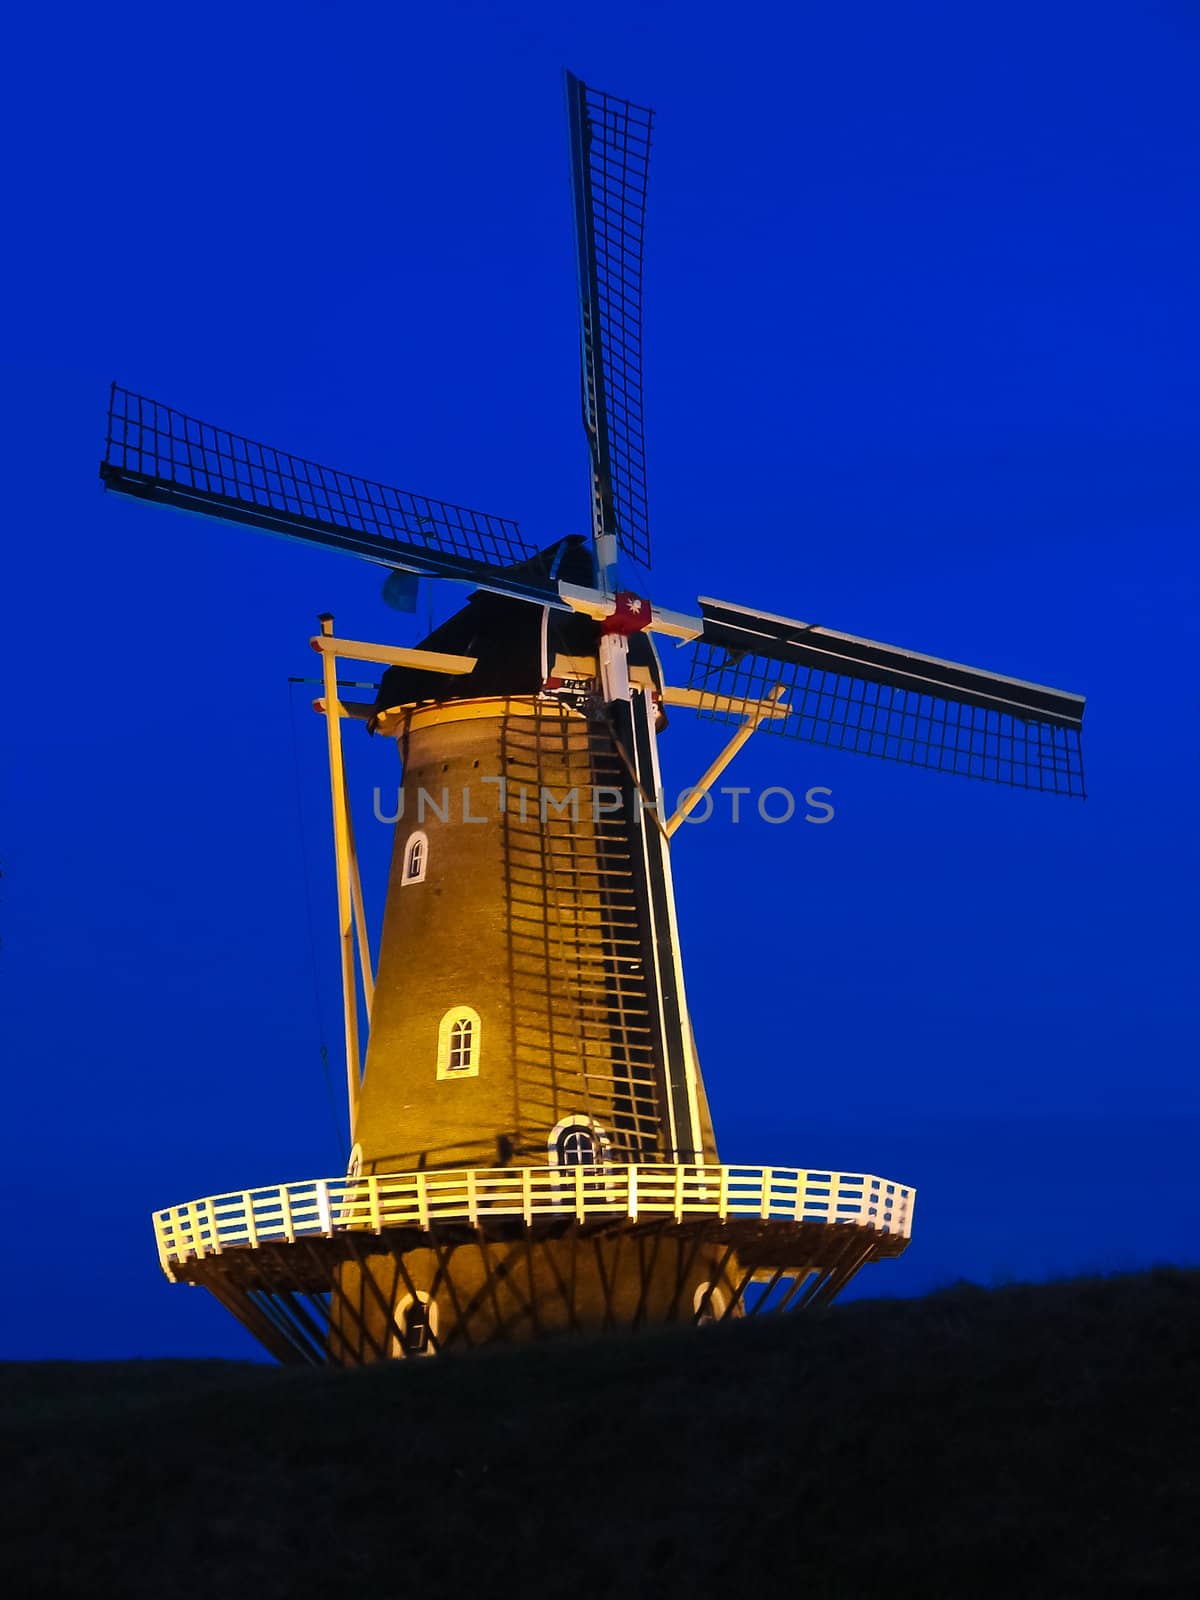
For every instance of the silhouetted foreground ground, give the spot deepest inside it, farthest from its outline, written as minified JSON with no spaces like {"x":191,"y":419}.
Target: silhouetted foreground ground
{"x":1027,"y":1441}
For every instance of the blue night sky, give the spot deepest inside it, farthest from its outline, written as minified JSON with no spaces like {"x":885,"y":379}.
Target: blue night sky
{"x":922,"y":361}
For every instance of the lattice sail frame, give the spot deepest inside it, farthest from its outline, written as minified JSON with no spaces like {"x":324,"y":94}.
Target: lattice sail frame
{"x":151,"y":446}
{"x":610,"y":154}
{"x":845,"y":712}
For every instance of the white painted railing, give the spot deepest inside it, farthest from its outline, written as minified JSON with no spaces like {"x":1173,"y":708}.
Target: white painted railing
{"x":326,"y":1206}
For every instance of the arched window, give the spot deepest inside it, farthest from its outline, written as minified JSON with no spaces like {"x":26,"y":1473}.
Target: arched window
{"x":458,"y":1043}
{"x":709,"y":1303}
{"x":416,"y":855}
{"x":417,"y":1321}
{"x":578,"y":1141}
{"x":577,"y":1147}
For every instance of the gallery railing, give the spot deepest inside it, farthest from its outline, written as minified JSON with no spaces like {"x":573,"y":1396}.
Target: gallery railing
{"x":328,"y":1206}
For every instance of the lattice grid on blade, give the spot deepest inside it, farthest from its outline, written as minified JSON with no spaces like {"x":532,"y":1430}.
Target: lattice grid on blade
{"x":873,"y":719}
{"x":157,"y":442}
{"x":618,"y":157}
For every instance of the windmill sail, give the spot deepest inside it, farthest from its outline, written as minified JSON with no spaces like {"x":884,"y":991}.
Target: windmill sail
{"x":879,"y":700}
{"x":156,"y":453}
{"x":610,"y":152}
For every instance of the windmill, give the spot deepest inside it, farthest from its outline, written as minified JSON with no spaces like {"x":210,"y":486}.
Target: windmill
{"x":532,"y":1151}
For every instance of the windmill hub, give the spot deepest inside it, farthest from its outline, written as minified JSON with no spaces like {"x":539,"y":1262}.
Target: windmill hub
{"x":630,"y":614}
{"x":531,"y":1149}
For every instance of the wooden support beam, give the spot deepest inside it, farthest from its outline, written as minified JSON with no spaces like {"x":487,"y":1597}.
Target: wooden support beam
{"x":702,"y":700}
{"x":767,"y":708}
{"x":647,"y":1272}
{"x":254,"y":1320}
{"x":767,"y":1292}
{"x":536,"y":1320}
{"x":685,"y":1262}
{"x":714,"y":1283}
{"x":341,"y":851}
{"x":360,"y":915}
{"x":568,"y":1294}
{"x":736,"y":1301}
{"x":506,"y":1275}
{"x":390,"y":655}
{"x":356,"y":710}
{"x":609,"y":1279}
{"x":461,"y":1329}
{"x":491,"y":1276}
{"x":289,"y":1309}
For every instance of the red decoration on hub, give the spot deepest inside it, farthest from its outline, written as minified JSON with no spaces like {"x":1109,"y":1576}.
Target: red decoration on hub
{"x":630,"y":614}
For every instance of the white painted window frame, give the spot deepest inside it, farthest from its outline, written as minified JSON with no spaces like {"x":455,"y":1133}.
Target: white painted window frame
{"x":565,"y":1188}
{"x":402,"y":1306}
{"x":415,"y":839}
{"x":458,"y":1014}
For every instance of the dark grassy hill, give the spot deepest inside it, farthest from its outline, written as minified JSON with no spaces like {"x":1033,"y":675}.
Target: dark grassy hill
{"x":1027,"y":1441}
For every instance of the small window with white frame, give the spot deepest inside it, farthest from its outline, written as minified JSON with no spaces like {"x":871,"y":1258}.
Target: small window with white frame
{"x":459,"y":1037}
{"x":417,"y":1322}
{"x":416,"y":858}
